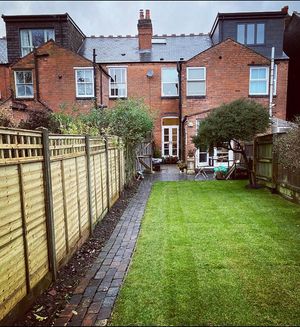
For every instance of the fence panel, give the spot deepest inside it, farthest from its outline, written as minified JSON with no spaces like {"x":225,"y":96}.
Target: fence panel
{"x":80,"y":169}
{"x":270,"y":173}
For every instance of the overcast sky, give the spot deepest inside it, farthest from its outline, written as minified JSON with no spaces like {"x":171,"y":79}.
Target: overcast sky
{"x":120,"y":17}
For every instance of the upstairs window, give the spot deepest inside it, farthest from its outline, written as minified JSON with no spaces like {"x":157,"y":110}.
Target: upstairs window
{"x":259,"y":80}
{"x":32,"y":38}
{"x":24,"y":84}
{"x":84,"y":82}
{"x":118,"y":82}
{"x":169,"y":82}
{"x":251,"y":34}
{"x":196,"y":81}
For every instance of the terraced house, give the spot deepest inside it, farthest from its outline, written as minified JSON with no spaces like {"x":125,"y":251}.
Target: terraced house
{"x":47,"y":62}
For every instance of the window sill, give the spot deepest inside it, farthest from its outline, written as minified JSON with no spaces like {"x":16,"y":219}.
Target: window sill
{"x":85,"y":98}
{"x":22,"y":99}
{"x":169,"y":96}
{"x":260,"y":96}
{"x":196,"y":96}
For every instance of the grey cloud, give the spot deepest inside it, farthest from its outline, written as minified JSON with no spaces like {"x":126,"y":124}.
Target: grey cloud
{"x":120,"y":17}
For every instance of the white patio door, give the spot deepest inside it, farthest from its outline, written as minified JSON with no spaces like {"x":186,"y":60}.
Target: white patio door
{"x":170,"y":141}
{"x":202,"y":156}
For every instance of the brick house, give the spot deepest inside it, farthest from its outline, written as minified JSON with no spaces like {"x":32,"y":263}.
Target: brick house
{"x":181,"y":77}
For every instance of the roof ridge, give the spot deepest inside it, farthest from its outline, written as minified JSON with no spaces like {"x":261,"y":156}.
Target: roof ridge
{"x":153,"y":36}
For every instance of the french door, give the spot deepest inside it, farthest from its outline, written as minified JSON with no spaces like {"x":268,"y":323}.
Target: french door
{"x":170,"y":141}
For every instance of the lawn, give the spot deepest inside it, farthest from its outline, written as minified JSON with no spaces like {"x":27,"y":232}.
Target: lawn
{"x":214,"y":253}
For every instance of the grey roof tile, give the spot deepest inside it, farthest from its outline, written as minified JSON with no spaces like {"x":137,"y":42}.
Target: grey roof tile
{"x":126,"y":49}
{"x":3,"y":51}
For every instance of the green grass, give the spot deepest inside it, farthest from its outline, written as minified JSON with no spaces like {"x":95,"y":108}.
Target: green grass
{"x":214,"y":253}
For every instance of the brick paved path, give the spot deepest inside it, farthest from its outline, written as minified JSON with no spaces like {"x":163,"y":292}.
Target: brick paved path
{"x":93,"y":299}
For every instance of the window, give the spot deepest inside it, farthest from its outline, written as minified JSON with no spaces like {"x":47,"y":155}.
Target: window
{"x":251,"y":33}
{"x":169,"y":79}
{"x":24,"y":84}
{"x":118,"y":82}
{"x":84,"y":82}
{"x":259,"y":80}
{"x":196,"y":84}
{"x":32,"y":38}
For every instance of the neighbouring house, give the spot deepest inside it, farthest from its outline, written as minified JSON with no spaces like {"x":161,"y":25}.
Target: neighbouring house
{"x":181,"y":77}
{"x":291,"y":46}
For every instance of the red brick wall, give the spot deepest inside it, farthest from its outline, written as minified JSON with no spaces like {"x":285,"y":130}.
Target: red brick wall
{"x":227,"y":79}
{"x":140,"y":86}
{"x":4,"y":82}
{"x":57,"y":78}
{"x":65,"y":34}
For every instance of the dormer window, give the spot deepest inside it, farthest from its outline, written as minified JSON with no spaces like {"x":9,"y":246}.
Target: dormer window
{"x":251,"y":33}
{"x":32,"y":38}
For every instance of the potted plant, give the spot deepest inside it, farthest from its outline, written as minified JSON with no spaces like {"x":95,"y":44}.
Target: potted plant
{"x":191,"y":162}
{"x":181,"y":165}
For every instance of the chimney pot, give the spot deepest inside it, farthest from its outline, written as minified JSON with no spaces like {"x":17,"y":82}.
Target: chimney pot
{"x":141,"y":14}
{"x":147,"y":14}
{"x":285,"y":9}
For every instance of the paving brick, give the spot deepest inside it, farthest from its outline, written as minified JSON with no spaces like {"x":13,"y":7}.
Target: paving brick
{"x":90,"y":291}
{"x":101,"y":322}
{"x":113,"y":291}
{"x":95,"y":307}
{"x":116,"y":282}
{"x":75,"y":299}
{"x":104,"y":313}
{"x":99,"y":296}
{"x":89,"y":319}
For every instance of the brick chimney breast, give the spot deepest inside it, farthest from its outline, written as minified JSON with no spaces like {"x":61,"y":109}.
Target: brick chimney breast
{"x":145,"y":31}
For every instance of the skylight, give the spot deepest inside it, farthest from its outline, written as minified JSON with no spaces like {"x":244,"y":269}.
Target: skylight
{"x":159,"y":41}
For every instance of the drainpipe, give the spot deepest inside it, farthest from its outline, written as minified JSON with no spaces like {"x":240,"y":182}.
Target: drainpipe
{"x":95,"y":78}
{"x":271,"y":83}
{"x":36,"y":74}
{"x":179,"y":70}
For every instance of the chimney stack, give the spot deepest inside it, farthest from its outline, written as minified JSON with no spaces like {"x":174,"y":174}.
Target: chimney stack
{"x":285,"y":10}
{"x":145,"y":30}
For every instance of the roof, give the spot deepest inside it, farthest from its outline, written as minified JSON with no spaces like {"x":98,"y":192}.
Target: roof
{"x":43,"y":18}
{"x":3,"y":51}
{"x":126,"y":49}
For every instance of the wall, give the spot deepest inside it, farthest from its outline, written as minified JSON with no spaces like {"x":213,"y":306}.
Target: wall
{"x":139,"y":85}
{"x":53,"y":191}
{"x":274,"y":29}
{"x":227,"y":79}
{"x":57,"y":78}
{"x":4,"y":82}
{"x":65,"y":34}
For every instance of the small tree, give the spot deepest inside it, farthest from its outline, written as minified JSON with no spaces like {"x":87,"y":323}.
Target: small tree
{"x":132,"y":121}
{"x":230,"y":125}
{"x":287,"y":147}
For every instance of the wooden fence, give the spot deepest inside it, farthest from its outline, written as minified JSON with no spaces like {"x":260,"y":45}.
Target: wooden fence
{"x":53,"y":190}
{"x":270,"y":173}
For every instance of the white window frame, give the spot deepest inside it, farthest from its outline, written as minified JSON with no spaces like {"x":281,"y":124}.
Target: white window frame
{"x":76,"y":83}
{"x":110,"y":83}
{"x":31,"y":47}
{"x":162,"y":83}
{"x":275,"y":79}
{"x":195,"y":80}
{"x":267,"y":79}
{"x":255,"y":33}
{"x":16,"y":84}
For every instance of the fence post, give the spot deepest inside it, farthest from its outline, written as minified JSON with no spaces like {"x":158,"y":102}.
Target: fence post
{"x":89,"y":189}
{"x":49,"y":204}
{"x":107,"y":173}
{"x":119,"y":162}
